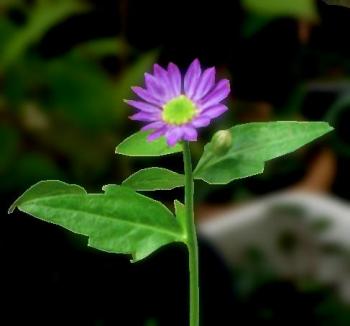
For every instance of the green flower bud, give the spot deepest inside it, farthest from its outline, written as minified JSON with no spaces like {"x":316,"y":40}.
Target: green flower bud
{"x":221,"y":142}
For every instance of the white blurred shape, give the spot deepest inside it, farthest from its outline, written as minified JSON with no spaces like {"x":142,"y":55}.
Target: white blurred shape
{"x":344,"y":3}
{"x":262,"y":224}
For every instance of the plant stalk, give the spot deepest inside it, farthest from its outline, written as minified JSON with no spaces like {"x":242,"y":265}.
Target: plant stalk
{"x":192,"y":243}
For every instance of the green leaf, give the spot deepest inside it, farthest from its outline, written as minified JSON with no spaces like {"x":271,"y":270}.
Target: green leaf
{"x":154,"y":179}
{"x":180,"y":213}
{"x":138,"y":145}
{"x":46,"y":189}
{"x":117,"y":221}
{"x":252,"y":145}
{"x":300,"y":9}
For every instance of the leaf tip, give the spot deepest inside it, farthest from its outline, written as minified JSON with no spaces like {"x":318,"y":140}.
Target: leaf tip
{"x":330,"y":128}
{"x":327,"y":128}
{"x":178,"y":204}
{"x":12,"y":207}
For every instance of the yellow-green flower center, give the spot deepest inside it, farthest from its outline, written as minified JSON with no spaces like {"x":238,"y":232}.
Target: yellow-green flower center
{"x":179,"y":110}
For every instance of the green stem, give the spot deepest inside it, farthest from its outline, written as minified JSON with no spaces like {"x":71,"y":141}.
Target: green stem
{"x":191,"y":237}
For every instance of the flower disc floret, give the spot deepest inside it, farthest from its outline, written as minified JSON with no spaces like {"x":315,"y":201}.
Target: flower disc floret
{"x":179,"y":110}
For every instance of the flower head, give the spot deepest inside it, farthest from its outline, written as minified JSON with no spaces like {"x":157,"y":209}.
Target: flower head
{"x":175,"y":107}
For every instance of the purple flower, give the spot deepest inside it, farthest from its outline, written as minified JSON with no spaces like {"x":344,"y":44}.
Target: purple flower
{"x":175,"y":107}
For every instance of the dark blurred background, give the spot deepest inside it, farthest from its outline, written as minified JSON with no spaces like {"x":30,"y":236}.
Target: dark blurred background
{"x":65,"y":67}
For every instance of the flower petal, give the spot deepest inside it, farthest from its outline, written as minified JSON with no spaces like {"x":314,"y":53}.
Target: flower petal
{"x":200,"y":121}
{"x":143,"y":106}
{"x":143,"y":116}
{"x":220,"y":91}
{"x":145,"y":95}
{"x":153,"y":125}
{"x":192,"y":77}
{"x":173,"y":135}
{"x":205,"y":84}
{"x":175,"y":78}
{"x":189,"y":133}
{"x":215,"y":111}
{"x":162,"y":75}
{"x":155,"y":88}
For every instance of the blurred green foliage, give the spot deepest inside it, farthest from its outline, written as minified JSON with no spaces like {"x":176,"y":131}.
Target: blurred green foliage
{"x":43,"y":16}
{"x":60,"y":117}
{"x":260,"y":13}
{"x":302,"y":9}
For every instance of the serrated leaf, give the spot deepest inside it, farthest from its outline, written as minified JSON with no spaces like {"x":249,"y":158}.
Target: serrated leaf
{"x":47,"y":189}
{"x":154,"y":179}
{"x":118,"y":220}
{"x":138,"y":145}
{"x":252,"y":145}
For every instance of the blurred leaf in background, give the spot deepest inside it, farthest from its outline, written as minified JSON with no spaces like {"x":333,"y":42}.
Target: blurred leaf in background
{"x":43,"y":16}
{"x":99,"y":48}
{"x":300,"y":9}
{"x":82,"y":90}
{"x":67,"y":108}
{"x":260,"y":13}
